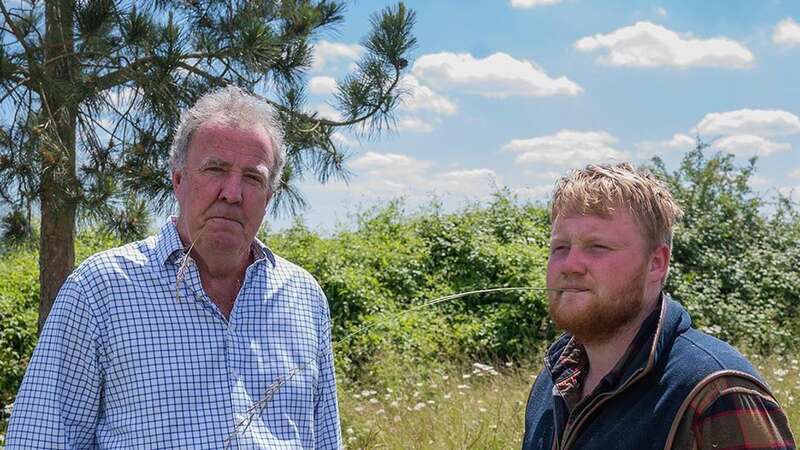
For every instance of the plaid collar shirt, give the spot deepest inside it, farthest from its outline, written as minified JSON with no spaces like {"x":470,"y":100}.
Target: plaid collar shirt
{"x":124,"y":362}
{"x":729,"y":413}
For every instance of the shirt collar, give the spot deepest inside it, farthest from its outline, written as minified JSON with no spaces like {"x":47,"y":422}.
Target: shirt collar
{"x":169,"y":248}
{"x":571,"y":363}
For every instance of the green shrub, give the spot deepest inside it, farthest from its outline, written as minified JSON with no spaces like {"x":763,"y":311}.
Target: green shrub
{"x":736,"y":266}
{"x":736,"y":258}
{"x":379,"y":275}
{"x":19,"y":305}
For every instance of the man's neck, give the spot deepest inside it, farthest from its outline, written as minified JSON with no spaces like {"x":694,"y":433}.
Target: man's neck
{"x":221,"y":273}
{"x":222,"y":283}
{"x":604,"y":355}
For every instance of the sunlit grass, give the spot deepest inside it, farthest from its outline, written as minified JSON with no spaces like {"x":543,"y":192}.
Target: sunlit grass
{"x":783,"y":375}
{"x":484,"y":409}
{"x":480,"y":407}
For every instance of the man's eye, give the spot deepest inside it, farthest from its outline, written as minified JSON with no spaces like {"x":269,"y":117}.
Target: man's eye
{"x":558,"y":249}
{"x":257,"y":179}
{"x":213,"y":169}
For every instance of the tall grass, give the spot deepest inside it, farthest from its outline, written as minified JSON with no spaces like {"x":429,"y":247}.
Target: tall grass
{"x":484,"y":409}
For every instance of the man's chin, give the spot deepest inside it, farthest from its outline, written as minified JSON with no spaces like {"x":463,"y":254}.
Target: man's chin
{"x":223,"y":241}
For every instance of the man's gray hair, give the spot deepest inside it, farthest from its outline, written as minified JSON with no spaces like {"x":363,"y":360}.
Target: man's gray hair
{"x":231,"y":106}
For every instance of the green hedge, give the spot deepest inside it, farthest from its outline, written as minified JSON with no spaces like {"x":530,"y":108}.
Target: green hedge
{"x":736,"y":265}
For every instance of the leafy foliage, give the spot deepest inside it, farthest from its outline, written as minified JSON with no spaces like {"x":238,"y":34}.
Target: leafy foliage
{"x":736,"y":261}
{"x":16,"y":227}
{"x":736,"y":266}
{"x":380,"y":274}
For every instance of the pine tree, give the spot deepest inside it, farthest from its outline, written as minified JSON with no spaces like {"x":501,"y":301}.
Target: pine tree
{"x":92,"y":90}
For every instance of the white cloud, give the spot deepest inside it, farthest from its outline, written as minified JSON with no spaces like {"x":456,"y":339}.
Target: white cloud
{"x":795,"y":173}
{"x":522,"y":4}
{"x":759,"y":182}
{"x":394,"y":174}
{"x":327,"y":111}
{"x":787,"y":33}
{"x":793,"y":192}
{"x":538,"y":192}
{"x":496,"y":76}
{"x":749,"y":121}
{"x":743,"y":132}
{"x":465,"y":181}
{"x":414,"y":124}
{"x":567,"y":148}
{"x":322,"y":85}
{"x":646,"y":44}
{"x":394,"y":163}
{"x":424,"y":98}
{"x":679,"y":141}
{"x":328,"y":55}
{"x":661,"y":12}
{"x":750,"y":145}
{"x":340,"y":138}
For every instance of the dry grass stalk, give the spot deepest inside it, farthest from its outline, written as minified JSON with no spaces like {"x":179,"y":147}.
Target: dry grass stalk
{"x":183,"y":268}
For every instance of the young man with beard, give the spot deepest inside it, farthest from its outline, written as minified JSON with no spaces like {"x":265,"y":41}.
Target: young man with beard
{"x":630,"y":372}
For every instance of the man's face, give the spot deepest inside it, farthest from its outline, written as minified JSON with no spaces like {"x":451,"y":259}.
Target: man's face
{"x":223,"y":189}
{"x":606,"y":264}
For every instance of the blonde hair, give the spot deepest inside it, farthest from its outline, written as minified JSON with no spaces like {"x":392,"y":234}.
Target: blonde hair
{"x":600,"y":189}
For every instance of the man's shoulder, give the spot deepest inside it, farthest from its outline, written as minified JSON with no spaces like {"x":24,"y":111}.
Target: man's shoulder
{"x":122,"y":259}
{"x":290,"y":269}
{"x":700,"y":353}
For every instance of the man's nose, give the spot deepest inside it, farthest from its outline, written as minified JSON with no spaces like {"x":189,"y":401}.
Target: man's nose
{"x":574,"y":262}
{"x":231,"y":189}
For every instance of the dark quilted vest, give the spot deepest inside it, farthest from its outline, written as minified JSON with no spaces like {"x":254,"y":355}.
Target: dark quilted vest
{"x":639,"y":412}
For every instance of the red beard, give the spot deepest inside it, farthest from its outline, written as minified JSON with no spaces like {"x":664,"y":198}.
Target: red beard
{"x":600,"y":318}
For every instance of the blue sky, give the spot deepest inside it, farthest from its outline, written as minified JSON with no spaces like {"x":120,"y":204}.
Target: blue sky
{"x":514,"y":93}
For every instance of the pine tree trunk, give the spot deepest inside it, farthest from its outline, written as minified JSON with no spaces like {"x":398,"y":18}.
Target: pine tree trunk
{"x":60,"y":189}
{"x":56,"y":245}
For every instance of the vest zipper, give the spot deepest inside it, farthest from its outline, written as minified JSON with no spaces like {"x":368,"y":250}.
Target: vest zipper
{"x":570,"y":432}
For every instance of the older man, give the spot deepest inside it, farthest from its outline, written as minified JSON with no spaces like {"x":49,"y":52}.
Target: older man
{"x":199,"y":337}
{"x":631,"y":372}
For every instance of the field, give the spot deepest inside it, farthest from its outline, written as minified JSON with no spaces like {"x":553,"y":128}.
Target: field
{"x":478,"y":408}
{"x":481,"y":407}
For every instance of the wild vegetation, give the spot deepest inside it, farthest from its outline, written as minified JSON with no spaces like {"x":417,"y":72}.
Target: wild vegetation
{"x":736,"y":266}
{"x":481,"y":407}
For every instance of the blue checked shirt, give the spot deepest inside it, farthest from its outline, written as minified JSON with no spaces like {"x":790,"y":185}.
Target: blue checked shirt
{"x":122,"y":363}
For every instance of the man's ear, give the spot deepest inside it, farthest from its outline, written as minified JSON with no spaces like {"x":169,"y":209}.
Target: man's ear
{"x":659,"y":263}
{"x":177,"y":177}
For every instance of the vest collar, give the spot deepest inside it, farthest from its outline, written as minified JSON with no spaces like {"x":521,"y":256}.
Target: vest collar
{"x":673,"y":321}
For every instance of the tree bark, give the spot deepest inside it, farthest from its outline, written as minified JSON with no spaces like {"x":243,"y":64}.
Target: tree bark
{"x":60,"y":188}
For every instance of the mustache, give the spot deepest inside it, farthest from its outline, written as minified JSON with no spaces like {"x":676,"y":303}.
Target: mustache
{"x":570,"y":287}
{"x":570,"y":284}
